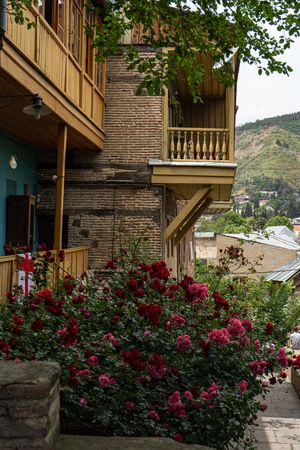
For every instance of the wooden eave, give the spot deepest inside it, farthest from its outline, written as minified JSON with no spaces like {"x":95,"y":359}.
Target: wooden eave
{"x":19,"y":76}
{"x":211,"y":85}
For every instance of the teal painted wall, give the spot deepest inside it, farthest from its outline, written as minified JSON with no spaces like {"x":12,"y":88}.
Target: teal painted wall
{"x":25,"y":173}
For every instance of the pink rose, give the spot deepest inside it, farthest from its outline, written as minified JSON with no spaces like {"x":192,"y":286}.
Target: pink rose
{"x":236,"y":328}
{"x":282,"y":358}
{"x":245,"y":341}
{"x":129,"y":405}
{"x":83,"y":402}
{"x":184,"y":343}
{"x":93,"y":360}
{"x":175,"y":405}
{"x":84,"y":373}
{"x":188,"y":395}
{"x":105,"y":380}
{"x":213,"y":390}
{"x":199,"y":290}
{"x":147,"y":333}
{"x":256,"y":345}
{"x":153,"y":415}
{"x":221,"y":337}
{"x":109,"y":337}
{"x":243,"y":386}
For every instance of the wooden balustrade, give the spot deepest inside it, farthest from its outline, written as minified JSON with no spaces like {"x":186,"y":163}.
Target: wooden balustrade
{"x":198,"y":144}
{"x":75,"y":263}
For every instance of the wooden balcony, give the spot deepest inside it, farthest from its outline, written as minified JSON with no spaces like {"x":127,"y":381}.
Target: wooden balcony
{"x":75,"y":263}
{"x":37,"y":60}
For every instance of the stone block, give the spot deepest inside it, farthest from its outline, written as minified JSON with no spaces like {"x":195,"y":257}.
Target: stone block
{"x":295,"y":379}
{"x":29,"y":414}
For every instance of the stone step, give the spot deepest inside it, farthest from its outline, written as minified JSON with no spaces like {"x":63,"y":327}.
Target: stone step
{"x":71,"y":442}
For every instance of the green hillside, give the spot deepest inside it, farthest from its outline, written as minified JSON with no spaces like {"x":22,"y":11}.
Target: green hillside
{"x":268,"y":148}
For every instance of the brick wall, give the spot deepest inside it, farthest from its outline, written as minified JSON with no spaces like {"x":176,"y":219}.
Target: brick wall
{"x":110,"y":192}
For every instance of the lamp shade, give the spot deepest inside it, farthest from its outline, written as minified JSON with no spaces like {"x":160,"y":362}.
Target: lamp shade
{"x":37,"y":108}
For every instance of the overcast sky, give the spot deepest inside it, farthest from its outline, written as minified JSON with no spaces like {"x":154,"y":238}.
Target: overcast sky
{"x":260,"y":96}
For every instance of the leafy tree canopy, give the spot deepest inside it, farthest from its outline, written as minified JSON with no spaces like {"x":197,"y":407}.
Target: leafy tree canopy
{"x":279,"y":221}
{"x":217,"y":27}
{"x":230,"y":222}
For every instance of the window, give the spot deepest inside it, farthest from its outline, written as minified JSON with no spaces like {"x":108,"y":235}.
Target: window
{"x":75,"y":28}
{"x":54,"y":13}
{"x":61,"y":20}
{"x":88,"y":22}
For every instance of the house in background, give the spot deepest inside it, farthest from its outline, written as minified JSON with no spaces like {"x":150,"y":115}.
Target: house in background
{"x":287,"y":272}
{"x":144,"y":167}
{"x":276,"y":247}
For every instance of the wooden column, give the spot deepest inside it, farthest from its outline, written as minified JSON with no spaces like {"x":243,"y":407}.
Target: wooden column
{"x":60,"y":185}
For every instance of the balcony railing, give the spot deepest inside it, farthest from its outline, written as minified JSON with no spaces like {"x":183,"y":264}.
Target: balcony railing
{"x":75,"y":263}
{"x":40,"y":41}
{"x":199,"y":144}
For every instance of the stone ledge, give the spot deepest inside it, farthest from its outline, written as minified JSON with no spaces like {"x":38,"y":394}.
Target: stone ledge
{"x":295,"y":379}
{"x":71,"y":442}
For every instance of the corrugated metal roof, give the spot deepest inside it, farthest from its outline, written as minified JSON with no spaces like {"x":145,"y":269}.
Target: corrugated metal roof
{"x":260,"y":238}
{"x":285,"y":272}
{"x":281,"y":231}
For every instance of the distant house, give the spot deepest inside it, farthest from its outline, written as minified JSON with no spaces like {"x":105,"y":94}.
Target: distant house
{"x":276,"y":247}
{"x":296,"y":230}
{"x":268,"y":194}
{"x":287,"y":272}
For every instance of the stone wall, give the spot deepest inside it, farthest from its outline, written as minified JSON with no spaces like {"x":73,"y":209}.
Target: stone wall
{"x":29,"y":405}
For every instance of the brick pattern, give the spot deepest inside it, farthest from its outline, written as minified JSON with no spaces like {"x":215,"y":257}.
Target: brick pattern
{"x":109,"y":193}
{"x":29,"y":412}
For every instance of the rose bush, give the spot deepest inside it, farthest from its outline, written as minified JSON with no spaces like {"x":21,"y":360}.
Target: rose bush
{"x":145,"y":355}
{"x":271,"y":307}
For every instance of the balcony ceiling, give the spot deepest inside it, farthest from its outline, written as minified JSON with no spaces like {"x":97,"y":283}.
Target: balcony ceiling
{"x":40,"y":134}
{"x":211,"y":86}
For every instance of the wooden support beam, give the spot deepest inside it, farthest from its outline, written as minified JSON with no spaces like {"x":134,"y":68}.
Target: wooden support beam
{"x":186,"y":212}
{"x":192,"y":220}
{"x":60,"y":185}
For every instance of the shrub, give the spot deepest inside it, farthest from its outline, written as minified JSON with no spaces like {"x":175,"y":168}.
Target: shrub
{"x":144,"y":355}
{"x":259,"y":300}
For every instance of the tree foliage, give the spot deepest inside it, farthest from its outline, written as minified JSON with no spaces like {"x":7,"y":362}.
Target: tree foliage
{"x":216,"y":27}
{"x":279,"y":221}
{"x":230,"y":222}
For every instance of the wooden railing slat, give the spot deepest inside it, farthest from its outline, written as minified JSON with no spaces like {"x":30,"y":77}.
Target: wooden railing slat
{"x":198,"y":144}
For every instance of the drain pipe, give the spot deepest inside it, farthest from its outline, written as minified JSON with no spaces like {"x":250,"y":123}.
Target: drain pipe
{"x":3,"y":8}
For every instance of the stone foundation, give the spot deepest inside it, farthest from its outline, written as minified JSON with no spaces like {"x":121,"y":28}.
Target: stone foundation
{"x":29,"y":405}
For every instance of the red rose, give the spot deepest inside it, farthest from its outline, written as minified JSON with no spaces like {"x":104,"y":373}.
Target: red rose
{"x":132,"y":284}
{"x":269,"y":328}
{"x":18,"y":320}
{"x":37,"y":324}
{"x":61,"y":255}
